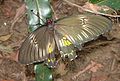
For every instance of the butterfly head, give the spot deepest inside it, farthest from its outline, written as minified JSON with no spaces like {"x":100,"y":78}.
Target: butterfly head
{"x":50,"y":23}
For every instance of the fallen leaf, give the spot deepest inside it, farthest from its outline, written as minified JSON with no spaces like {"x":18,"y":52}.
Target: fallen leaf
{"x":5,"y":37}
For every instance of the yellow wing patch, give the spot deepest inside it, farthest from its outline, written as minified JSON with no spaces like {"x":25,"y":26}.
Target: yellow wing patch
{"x":65,"y":41}
{"x":50,"y":49}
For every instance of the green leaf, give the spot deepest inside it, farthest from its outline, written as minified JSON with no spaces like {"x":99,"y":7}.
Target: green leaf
{"x":38,"y":11}
{"x":115,"y":4}
{"x":95,"y":1}
{"x":42,"y":73}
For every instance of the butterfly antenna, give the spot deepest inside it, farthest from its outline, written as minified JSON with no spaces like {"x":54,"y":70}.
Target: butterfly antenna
{"x":38,"y":16}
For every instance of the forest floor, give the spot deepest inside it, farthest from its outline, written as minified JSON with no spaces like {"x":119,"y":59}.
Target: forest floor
{"x":99,"y":60}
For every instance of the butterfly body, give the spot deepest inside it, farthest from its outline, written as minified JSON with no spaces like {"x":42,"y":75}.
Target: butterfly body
{"x":50,"y":24}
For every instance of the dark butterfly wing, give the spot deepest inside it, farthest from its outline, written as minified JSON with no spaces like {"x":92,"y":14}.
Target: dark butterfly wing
{"x":65,"y":46}
{"x":37,"y":46}
{"x":81,"y":28}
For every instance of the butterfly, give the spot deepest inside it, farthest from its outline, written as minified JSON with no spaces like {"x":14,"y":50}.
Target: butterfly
{"x":65,"y":34}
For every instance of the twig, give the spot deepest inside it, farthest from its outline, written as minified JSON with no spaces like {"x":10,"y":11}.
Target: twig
{"x":86,"y":69}
{"x":87,"y":10}
{"x":113,"y":64}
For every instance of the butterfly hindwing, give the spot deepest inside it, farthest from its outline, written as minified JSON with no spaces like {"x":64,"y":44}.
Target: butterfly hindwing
{"x":65,"y":46}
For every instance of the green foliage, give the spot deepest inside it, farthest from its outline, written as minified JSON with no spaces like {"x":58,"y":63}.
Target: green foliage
{"x":115,"y":4}
{"x":37,"y":12}
{"x":42,"y":73}
{"x":95,"y":1}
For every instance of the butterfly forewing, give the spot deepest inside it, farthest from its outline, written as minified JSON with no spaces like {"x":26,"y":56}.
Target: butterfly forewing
{"x":37,"y":46}
{"x":83,"y":28}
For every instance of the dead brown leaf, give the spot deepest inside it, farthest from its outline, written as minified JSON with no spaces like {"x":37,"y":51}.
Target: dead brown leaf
{"x":5,"y":37}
